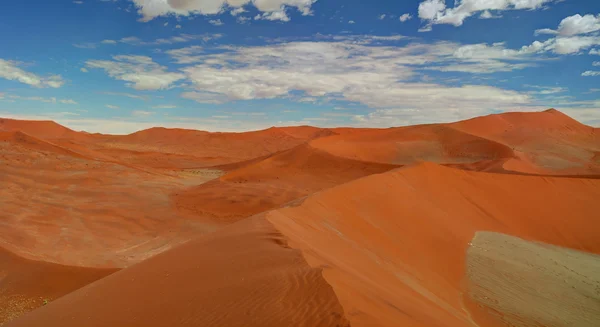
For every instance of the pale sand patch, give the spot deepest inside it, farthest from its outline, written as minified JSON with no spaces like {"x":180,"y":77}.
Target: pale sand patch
{"x":533,"y":284}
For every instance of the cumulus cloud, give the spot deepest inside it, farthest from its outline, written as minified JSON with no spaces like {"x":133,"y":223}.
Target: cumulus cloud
{"x":237,"y":11}
{"x":216,"y":22}
{"x":595,"y":52}
{"x":574,"y":25}
{"x":273,"y":15}
{"x":150,"y":9}
{"x":405,"y":17}
{"x":10,"y":70}
{"x":435,"y":11}
{"x":488,"y":15}
{"x":140,"y":72}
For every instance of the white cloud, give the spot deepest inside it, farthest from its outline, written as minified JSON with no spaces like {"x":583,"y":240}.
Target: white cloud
{"x":83,"y":70}
{"x":149,"y":9}
{"x":488,"y":15}
{"x":405,"y":17}
{"x":10,"y":70}
{"x":381,"y":17}
{"x":140,"y":72}
{"x":237,"y":11}
{"x":590,"y":73}
{"x":436,"y":12}
{"x":187,"y":55}
{"x":177,"y":26}
{"x":166,"y":24}
{"x":273,"y":15}
{"x":110,"y":106}
{"x":133,"y":40}
{"x":109,"y":42}
{"x":216,"y":22}
{"x":351,"y":22}
{"x":377,"y":76}
{"x":595,"y":52}
{"x":67,"y":101}
{"x":574,"y":25}
{"x":78,"y":2}
{"x":596,"y":63}
{"x":243,"y":20}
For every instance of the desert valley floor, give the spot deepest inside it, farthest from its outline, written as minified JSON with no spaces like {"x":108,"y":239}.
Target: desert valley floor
{"x":492,"y":221}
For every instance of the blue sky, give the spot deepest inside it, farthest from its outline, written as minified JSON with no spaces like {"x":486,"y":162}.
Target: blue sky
{"x":117,"y":66}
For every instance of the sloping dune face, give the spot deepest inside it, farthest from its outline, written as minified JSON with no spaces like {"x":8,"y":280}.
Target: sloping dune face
{"x":210,"y":149}
{"x":243,"y":275}
{"x":408,"y":145}
{"x":271,"y":182}
{"x":40,"y":129}
{"x":26,"y":284}
{"x":394,"y":245}
{"x":550,"y":140}
{"x":547,"y":143}
{"x":60,"y":206}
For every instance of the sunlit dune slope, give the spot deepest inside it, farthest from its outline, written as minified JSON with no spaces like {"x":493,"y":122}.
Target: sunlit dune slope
{"x":549,"y":140}
{"x":271,"y":182}
{"x":243,"y":275}
{"x":546,"y":143}
{"x":39,"y":129}
{"x":394,"y":244}
{"x":26,"y":284}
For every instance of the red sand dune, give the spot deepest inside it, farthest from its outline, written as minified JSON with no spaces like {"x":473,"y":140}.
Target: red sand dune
{"x":392,"y":246}
{"x":271,"y":182}
{"x":39,"y":129}
{"x":381,"y":250}
{"x":243,"y":275}
{"x":213,"y":148}
{"x":26,"y":284}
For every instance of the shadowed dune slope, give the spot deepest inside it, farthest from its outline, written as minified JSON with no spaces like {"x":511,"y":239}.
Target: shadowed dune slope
{"x":271,"y":182}
{"x":25,"y":284}
{"x":546,"y":143}
{"x":213,"y":148}
{"x":408,"y":145}
{"x":394,"y":244}
{"x":243,"y":275}
{"x":550,"y":141}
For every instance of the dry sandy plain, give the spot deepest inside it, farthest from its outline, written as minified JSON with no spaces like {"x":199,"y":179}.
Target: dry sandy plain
{"x":493,"y":221}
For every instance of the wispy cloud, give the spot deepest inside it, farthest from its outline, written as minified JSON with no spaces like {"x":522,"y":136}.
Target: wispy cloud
{"x":10,"y":70}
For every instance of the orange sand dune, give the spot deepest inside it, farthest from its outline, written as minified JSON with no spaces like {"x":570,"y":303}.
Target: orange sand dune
{"x":18,"y":139}
{"x":39,"y":129}
{"x":550,"y":140}
{"x":407,"y":145}
{"x":384,"y":250}
{"x":213,"y":148}
{"x":26,"y":284}
{"x":547,"y":143}
{"x":244,"y":275}
{"x":394,"y":244}
{"x":271,"y":182}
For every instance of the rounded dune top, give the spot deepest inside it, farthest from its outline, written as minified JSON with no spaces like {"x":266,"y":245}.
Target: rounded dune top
{"x":41,"y":129}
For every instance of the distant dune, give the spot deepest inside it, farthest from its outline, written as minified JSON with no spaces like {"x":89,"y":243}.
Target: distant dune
{"x":300,"y":226}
